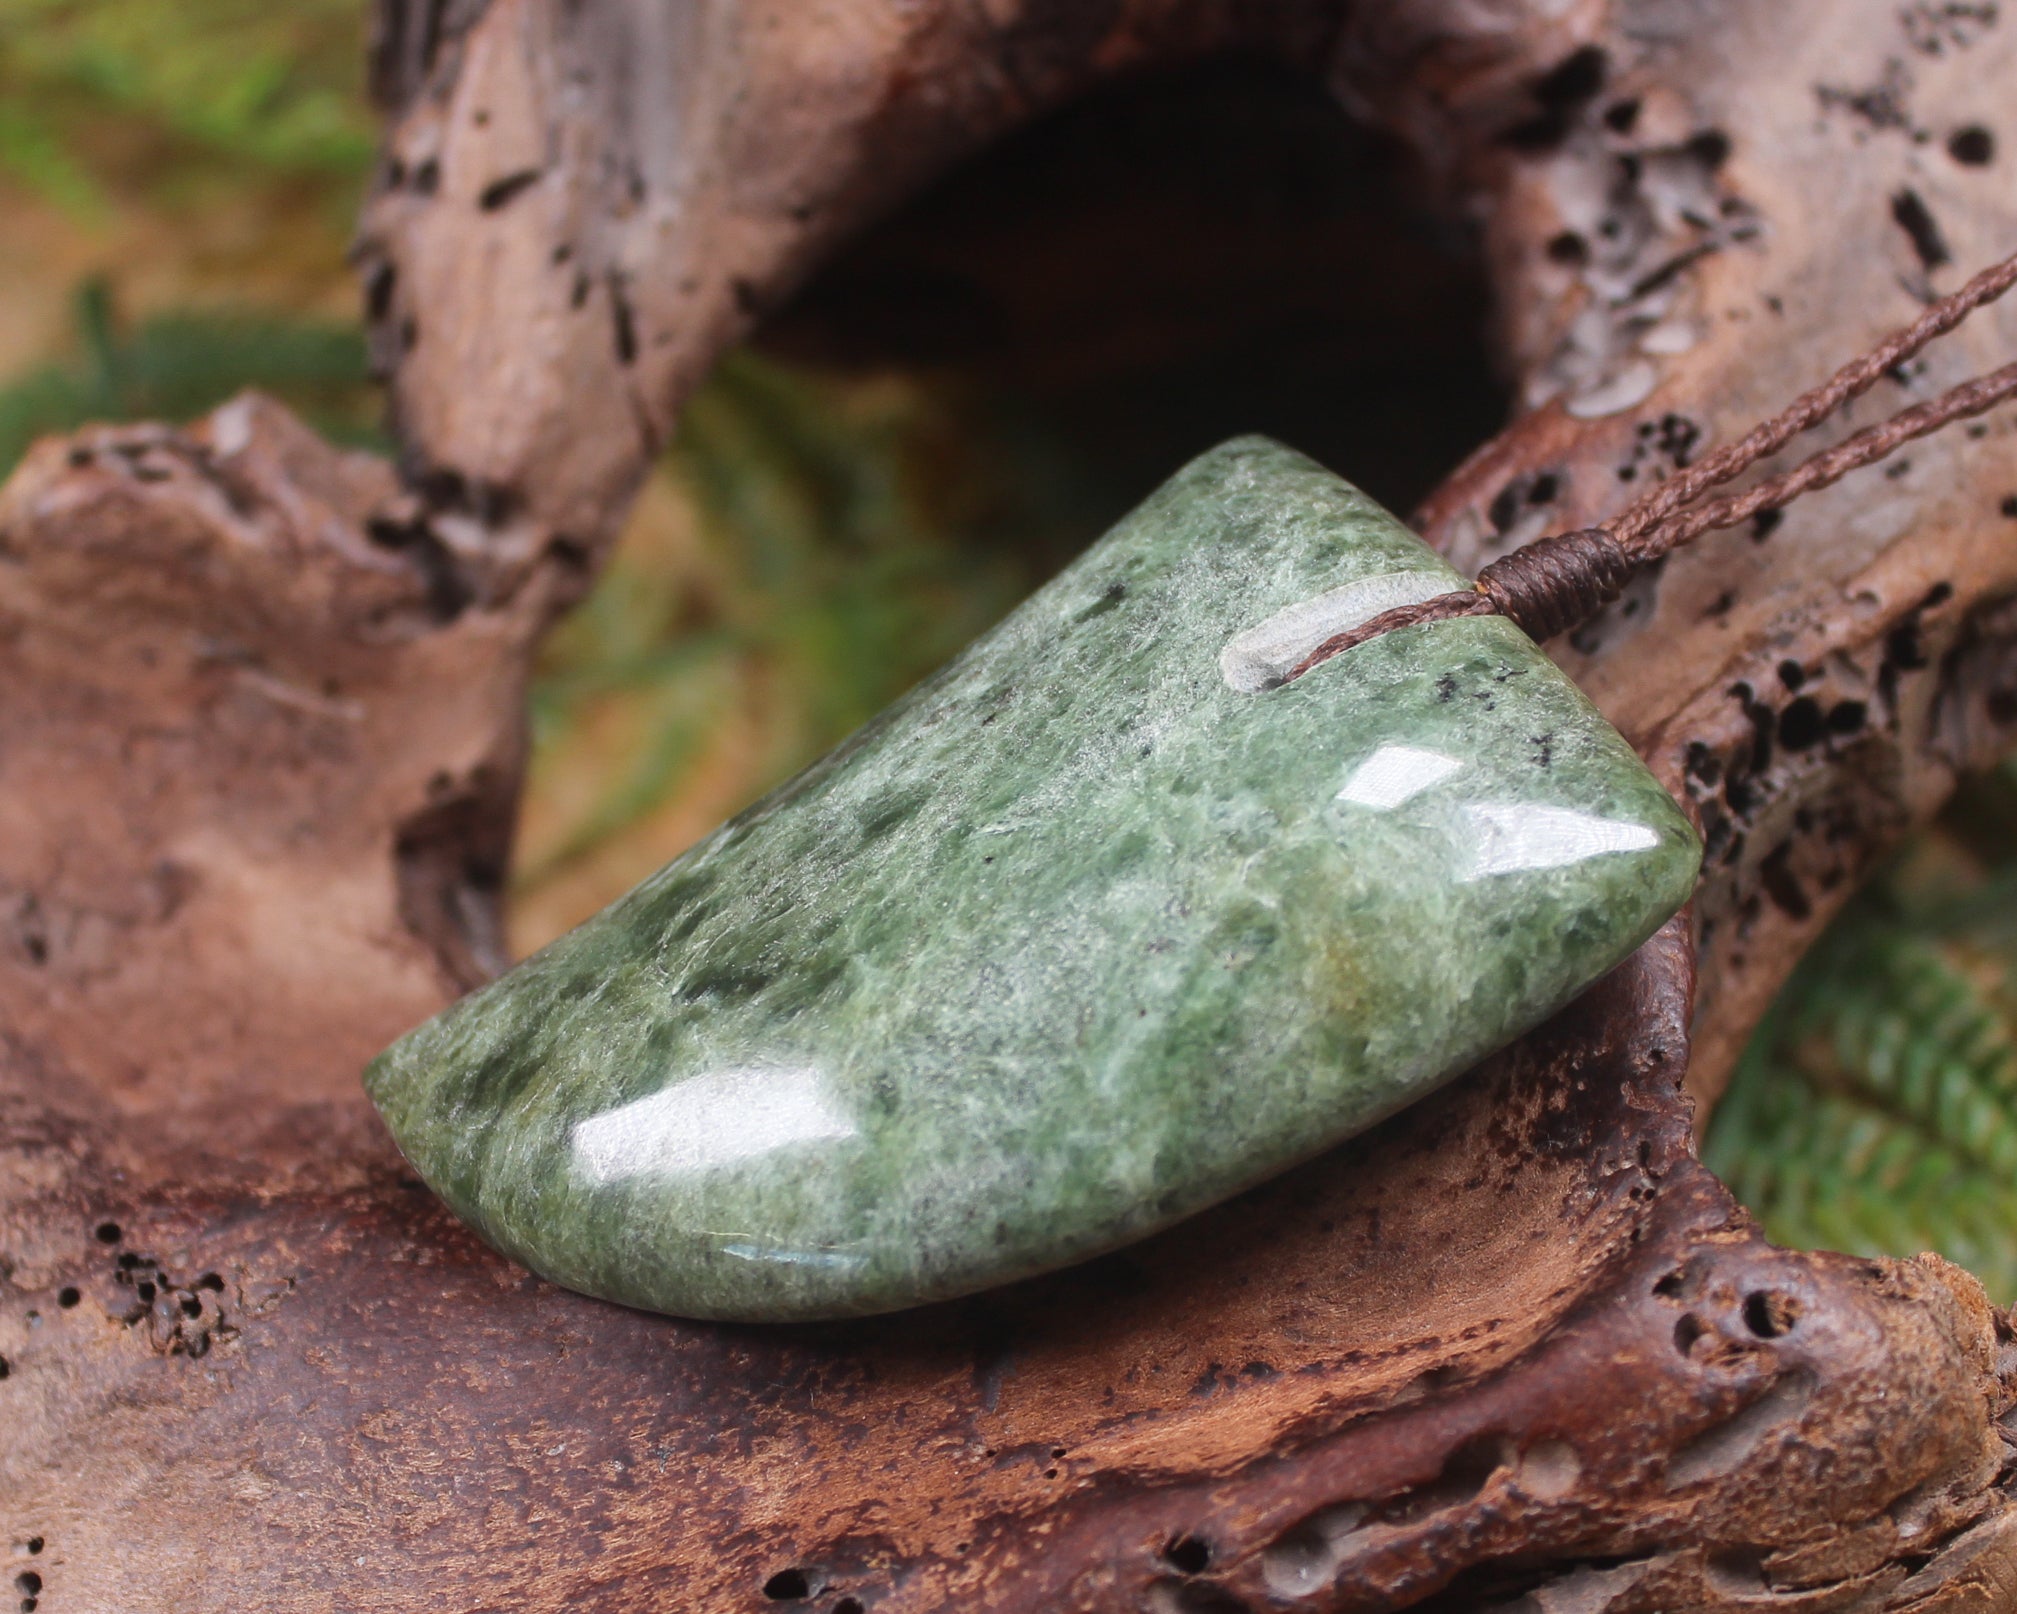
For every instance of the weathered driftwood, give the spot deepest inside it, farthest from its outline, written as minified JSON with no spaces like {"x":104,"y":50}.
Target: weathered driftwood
{"x":261,"y":740}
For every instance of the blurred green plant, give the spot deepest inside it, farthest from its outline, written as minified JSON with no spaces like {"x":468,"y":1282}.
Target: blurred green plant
{"x":175,"y":366}
{"x":1875,"y":1110}
{"x":96,"y":95}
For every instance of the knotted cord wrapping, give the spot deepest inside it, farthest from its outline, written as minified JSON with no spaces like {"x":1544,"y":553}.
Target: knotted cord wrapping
{"x":1554,"y":583}
{"x":1557,"y":582}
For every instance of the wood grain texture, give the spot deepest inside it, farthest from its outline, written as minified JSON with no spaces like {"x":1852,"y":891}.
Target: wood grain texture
{"x":262,"y":737}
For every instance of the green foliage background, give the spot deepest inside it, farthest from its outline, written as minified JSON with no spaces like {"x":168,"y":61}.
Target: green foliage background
{"x":183,"y":98}
{"x":1875,"y":1111}
{"x":815,"y":543}
{"x":176,"y":365}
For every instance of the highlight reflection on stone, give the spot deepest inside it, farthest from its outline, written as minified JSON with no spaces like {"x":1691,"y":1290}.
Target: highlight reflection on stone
{"x":1096,"y":927}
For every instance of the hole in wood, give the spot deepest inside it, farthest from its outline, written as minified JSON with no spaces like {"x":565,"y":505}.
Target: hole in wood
{"x":1770,"y":1315}
{"x":792,"y":1585}
{"x":1303,"y":1559}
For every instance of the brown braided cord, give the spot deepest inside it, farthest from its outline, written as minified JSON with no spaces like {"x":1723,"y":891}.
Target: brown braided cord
{"x":1552,"y":584}
{"x":1814,"y":406}
{"x":1440,"y":608}
{"x":1547,"y":587}
{"x":1866,"y":447}
{"x":1555,"y":583}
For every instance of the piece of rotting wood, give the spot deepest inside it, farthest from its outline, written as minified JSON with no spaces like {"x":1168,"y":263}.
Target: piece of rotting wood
{"x":261,"y":740}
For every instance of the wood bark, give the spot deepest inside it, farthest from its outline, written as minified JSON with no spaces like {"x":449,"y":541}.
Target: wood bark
{"x":263,"y":733}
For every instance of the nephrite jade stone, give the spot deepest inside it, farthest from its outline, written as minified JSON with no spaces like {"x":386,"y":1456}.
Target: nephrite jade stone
{"x":1096,"y":927}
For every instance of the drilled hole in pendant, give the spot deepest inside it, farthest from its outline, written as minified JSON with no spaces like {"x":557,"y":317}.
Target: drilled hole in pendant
{"x":1260,"y":658}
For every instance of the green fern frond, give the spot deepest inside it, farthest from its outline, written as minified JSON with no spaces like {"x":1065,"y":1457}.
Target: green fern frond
{"x":178,"y":365}
{"x":1876,"y":1109}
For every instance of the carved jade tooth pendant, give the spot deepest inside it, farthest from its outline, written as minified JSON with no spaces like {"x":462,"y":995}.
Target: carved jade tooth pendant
{"x":1096,"y":927}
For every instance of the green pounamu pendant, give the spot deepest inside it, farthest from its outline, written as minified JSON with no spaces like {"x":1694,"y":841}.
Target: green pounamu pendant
{"x":1096,"y":927}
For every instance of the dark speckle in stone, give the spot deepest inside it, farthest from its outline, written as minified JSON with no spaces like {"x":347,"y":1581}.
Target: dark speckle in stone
{"x":1116,"y":592}
{"x":881,"y":816}
{"x":725,"y":984}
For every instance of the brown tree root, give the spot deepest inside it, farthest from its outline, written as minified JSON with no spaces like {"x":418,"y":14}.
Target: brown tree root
{"x":261,"y":741}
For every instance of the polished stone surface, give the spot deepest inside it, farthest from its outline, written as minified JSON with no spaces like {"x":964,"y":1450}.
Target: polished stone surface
{"x":1096,"y":927}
